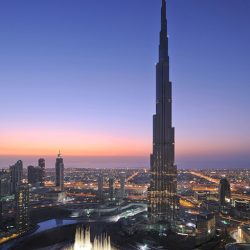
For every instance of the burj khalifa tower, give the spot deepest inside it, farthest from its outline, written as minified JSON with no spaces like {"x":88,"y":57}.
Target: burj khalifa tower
{"x":162,"y":193}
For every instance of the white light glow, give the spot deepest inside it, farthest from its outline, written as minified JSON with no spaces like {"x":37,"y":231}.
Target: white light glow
{"x":83,"y":242}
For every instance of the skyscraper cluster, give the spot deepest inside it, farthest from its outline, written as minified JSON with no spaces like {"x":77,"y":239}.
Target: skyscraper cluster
{"x":113,"y":193}
{"x":14,"y":189}
{"x":36,"y":174}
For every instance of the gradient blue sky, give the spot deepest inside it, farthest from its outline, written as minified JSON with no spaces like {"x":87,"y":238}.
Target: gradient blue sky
{"x":79,"y":75}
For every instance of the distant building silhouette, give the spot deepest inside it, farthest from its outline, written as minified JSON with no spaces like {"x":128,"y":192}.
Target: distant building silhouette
{"x":111,"y":189}
{"x":122,"y":182}
{"x":1,"y":213}
{"x":162,"y":193}
{"x":5,"y":183}
{"x":35,"y":176}
{"x":22,"y":207}
{"x":16,"y":174}
{"x":41,"y":164}
{"x":224,"y":192}
{"x":59,"y":172}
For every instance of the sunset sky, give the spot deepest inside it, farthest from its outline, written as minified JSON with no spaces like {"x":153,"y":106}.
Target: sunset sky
{"x":80,"y":76}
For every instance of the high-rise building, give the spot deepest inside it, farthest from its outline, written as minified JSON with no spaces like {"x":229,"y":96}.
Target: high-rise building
{"x":59,"y":172}
{"x":5,"y":199}
{"x":41,"y":164}
{"x":122,"y":183}
{"x":163,"y":186}
{"x":16,"y":174}
{"x":5,"y":183}
{"x":35,"y":176}
{"x":1,"y":213}
{"x":22,"y":207}
{"x":224,"y":192}
{"x":205,"y":227}
{"x":111,"y":188}
{"x":100,"y":187}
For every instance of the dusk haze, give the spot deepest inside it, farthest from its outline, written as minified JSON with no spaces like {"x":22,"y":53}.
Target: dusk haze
{"x":125,"y":125}
{"x":88,"y":89}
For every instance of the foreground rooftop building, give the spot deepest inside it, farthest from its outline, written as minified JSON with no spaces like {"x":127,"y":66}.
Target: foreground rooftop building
{"x":224,"y":192}
{"x":162,"y":191}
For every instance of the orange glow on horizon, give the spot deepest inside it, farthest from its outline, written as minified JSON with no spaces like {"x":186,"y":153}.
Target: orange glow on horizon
{"x":72,"y":143}
{"x":40,"y":141}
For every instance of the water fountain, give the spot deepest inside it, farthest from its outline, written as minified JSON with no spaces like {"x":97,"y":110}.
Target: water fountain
{"x":83,"y":241}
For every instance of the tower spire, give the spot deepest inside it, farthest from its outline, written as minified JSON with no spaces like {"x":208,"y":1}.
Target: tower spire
{"x":163,"y":50}
{"x":163,"y":202}
{"x":163,"y":16}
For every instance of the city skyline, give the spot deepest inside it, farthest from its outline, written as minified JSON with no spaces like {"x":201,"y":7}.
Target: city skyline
{"x":75,"y":168}
{"x":81,"y":100}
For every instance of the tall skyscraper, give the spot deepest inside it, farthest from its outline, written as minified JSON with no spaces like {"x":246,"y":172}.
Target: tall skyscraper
{"x":59,"y":172}
{"x":163,"y":186}
{"x":41,"y":164}
{"x":224,"y":192}
{"x":22,"y":207}
{"x":16,"y":174}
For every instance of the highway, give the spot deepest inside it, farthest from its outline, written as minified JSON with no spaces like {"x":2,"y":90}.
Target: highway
{"x":213,"y":180}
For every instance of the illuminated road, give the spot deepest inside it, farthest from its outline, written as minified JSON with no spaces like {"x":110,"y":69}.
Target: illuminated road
{"x":132,"y":176}
{"x":213,"y":180}
{"x":241,"y":197}
{"x":241,"y":222}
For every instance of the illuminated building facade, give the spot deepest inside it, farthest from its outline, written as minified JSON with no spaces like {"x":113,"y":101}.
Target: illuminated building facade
{"x":22,"y":207}
{"x":163,"y":186}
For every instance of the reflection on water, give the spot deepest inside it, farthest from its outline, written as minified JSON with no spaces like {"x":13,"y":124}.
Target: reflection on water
{"x":50,"y":224}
